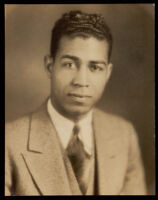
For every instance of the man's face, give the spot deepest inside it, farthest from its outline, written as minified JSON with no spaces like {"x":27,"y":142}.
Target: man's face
{"x":79,"y":74}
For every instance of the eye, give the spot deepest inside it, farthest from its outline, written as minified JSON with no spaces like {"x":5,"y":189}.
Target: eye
{"x":69,"y":65}
{"x":95,"y":68}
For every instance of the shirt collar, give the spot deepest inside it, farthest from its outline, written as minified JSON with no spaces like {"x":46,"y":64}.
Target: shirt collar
{"x":64,"y":131}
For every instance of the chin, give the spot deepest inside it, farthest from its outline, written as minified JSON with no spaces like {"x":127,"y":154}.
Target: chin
{"x":77,"y":111}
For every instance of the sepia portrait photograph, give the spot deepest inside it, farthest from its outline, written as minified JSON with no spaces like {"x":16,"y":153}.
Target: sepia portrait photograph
{"x":79,"y":99}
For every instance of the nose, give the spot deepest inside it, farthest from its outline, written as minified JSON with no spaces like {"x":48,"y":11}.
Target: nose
{"x":81,"y":77}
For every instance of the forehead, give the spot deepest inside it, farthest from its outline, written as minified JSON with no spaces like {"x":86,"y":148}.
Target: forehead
{"x":84,"y":48}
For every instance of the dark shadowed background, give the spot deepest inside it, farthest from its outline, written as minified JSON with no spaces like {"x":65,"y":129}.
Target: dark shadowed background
{"x":130,"y":91}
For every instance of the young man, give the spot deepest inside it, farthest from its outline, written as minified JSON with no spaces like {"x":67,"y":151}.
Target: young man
{"x":68,"y":147}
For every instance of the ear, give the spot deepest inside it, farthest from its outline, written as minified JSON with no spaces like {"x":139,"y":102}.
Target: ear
{"x":109,"y":70}
{"x":48,"y":62}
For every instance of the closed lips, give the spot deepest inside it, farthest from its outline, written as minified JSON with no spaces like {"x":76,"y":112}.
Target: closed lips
{"x":78,"y":95}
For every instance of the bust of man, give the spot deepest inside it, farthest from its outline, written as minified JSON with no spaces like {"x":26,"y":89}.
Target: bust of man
{"x":68,"y":147}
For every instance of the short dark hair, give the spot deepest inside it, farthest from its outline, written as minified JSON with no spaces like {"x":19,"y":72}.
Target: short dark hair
{"x":76,"y":23}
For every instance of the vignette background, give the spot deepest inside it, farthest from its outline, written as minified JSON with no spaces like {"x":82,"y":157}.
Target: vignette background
{"x":130,"y":91}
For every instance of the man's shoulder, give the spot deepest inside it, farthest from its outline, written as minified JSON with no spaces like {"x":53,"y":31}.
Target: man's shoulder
{"x":16,"y":131}
{"x":19,"y":128}
{"x":110,"y":117}
{"x":18,"y":122}
{"x":23,"y":121}
{"x":115,"y":125}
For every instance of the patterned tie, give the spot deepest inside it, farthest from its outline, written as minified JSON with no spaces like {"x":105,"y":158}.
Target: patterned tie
{"x":78,"y":158}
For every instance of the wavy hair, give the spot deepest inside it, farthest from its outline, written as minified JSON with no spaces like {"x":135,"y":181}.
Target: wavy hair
{"x":76,"y":23}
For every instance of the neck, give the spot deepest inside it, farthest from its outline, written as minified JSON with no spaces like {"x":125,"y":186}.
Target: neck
{"x":73,"y":116}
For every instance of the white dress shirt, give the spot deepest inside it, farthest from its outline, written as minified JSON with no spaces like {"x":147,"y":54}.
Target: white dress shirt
{"x":64,"y":127}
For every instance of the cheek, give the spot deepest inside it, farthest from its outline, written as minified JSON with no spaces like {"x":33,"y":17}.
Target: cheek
{"x":60,"y":80}
{"x":99,"y":85}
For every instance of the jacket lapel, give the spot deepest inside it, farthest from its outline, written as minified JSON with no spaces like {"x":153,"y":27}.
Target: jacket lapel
{"x":107,"y":154}
{"x":44,"y":157}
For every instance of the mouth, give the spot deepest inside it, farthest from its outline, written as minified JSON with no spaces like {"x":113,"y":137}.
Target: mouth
{"x":79,"y":95}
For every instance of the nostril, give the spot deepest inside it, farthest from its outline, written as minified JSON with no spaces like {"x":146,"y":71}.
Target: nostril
{"x":76,"y":84}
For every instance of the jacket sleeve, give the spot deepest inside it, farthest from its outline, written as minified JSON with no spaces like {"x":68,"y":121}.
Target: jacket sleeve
{"x":8,"y":176}
{"x":134,"y":183}
{"x":10,"y":128}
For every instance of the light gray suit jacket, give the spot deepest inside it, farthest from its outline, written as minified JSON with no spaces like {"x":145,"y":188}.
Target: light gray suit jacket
{"x":34,"y":164}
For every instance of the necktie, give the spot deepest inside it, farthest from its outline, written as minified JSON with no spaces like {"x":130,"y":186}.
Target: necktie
{"x":78,"y":158}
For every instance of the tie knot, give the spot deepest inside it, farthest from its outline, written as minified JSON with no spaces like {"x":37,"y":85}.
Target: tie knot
{"x":76,"y":130}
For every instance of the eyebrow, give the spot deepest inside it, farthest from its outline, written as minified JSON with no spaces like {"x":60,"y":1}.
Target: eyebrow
{"x":70,"y":57}
{"x":77,"y":59}
{"x":99,"y":62}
